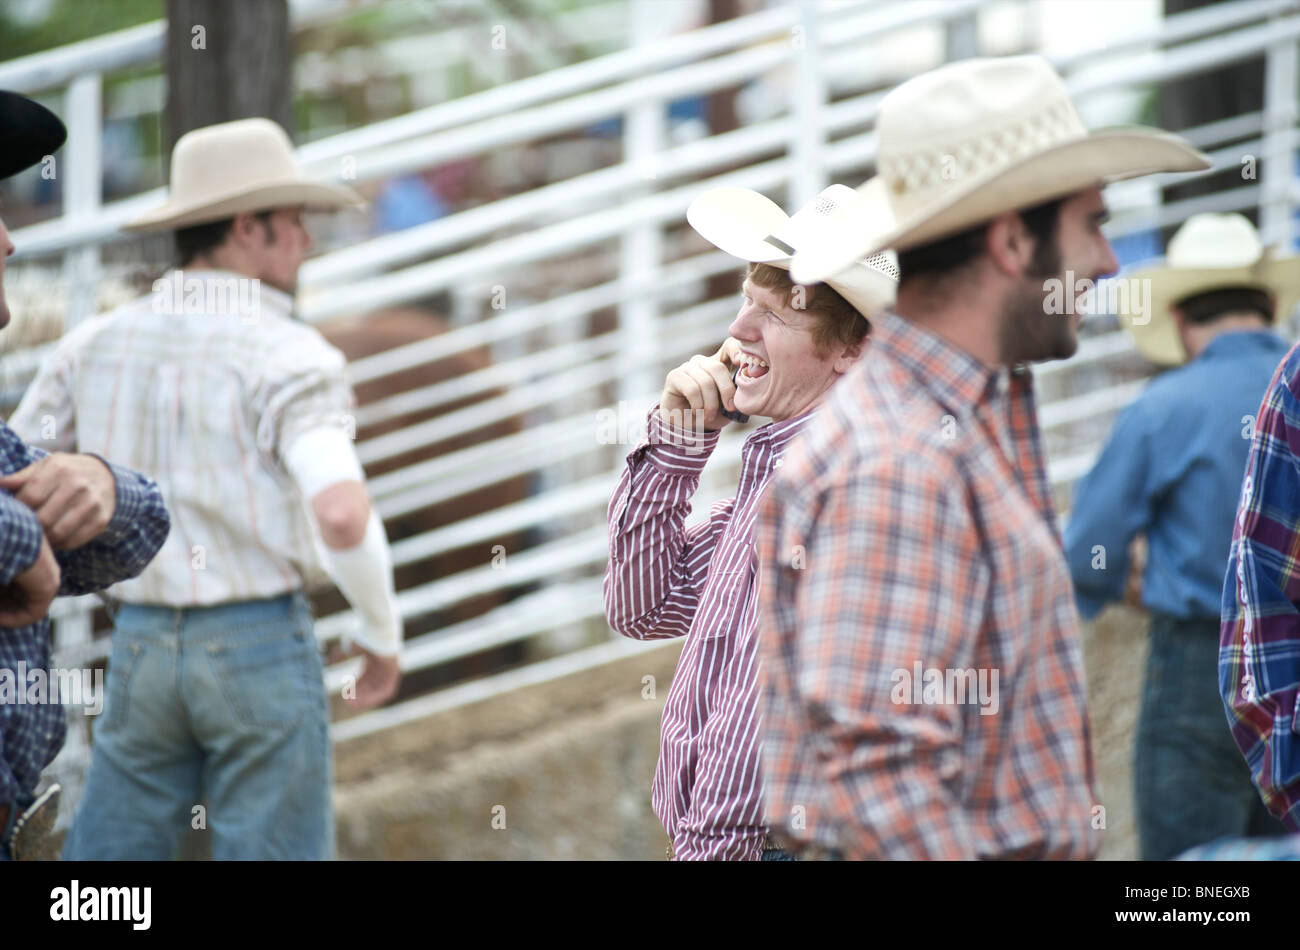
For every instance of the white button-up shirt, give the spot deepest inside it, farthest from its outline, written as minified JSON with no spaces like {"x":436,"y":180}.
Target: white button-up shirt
{"x":201,"y":385}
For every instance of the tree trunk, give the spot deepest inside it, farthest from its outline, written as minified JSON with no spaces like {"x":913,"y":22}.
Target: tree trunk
{"x":224,"y":60}
{"x":227,"y":59}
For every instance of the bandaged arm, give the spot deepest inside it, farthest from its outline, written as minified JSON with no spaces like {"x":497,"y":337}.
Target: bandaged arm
{"x":317,"y":460}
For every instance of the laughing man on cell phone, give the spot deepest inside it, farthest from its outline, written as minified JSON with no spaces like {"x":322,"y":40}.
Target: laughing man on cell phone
{"x":788,"y":345}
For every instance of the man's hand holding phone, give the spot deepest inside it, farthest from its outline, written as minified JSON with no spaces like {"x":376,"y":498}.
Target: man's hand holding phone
{"x":697,"y":392}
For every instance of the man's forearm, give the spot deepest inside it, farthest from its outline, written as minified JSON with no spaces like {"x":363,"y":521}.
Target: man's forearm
{"x":134,"y":535}
{"x":364,"y":575}
{"x":655,"y":561}
{"x":323,"y":463}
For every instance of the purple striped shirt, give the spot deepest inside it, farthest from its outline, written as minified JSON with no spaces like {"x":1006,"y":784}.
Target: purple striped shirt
{"x":668,"y":580}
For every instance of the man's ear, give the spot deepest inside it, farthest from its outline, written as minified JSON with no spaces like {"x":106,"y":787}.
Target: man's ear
{"x":1180,"y":321}
{"x":849,"y":355}
{"x":1009,"y":244}
{"x":243,"y":230}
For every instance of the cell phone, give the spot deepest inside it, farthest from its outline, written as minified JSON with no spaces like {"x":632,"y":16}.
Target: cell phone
{"x":731,"y":414}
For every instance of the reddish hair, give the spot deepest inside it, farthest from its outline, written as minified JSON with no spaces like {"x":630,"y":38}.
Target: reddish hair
{"x":840,"y":324}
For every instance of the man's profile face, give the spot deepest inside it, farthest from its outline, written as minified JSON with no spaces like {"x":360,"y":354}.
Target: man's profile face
{"x":1037,"y":326}
{"x":782,"y":374}
{"x":280,"y":248}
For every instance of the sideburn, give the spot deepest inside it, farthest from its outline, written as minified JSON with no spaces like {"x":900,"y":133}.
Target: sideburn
{"x":1046,"y":261}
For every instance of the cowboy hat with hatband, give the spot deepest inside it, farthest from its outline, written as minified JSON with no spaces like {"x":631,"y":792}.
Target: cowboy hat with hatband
{"x":968,"y":141}
{"x":752,"y":227}
{"x":1209,"y":252}
{"x":28,"y":132}
{"x":223,"y":170}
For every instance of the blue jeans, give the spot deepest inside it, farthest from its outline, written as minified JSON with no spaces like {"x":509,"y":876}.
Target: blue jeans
{"x":216,"y":717}
{"x":1192,"y":785}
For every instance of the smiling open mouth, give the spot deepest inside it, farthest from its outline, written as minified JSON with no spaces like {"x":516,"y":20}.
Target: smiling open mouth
{"x":751,"y":367}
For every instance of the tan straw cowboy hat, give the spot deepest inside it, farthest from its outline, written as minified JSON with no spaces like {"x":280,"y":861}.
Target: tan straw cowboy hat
{"x":752,"y":227}
{"x":973,"y":139}
{"x":1209,"y":252}
{"x":247,"y":165}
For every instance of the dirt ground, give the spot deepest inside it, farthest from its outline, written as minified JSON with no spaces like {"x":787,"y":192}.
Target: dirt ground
{"x":1115,"y":654}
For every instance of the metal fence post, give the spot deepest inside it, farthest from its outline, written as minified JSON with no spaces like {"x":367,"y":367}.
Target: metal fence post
{"x":808,"y":135}
{"x":82,"y":176}
{"x":642,"y":244}
{"x":961,"y":38}
{"x":1276,"y":203}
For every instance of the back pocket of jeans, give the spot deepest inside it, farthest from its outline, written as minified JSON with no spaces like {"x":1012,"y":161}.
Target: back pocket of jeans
{"x":123,"y":660}
{"x":264,"y":673}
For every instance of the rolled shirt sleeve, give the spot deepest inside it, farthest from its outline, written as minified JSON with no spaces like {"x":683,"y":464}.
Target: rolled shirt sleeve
{"x":301,"y":387}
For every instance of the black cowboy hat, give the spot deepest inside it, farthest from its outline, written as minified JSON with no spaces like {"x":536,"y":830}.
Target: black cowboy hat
{"x":28,"y":132}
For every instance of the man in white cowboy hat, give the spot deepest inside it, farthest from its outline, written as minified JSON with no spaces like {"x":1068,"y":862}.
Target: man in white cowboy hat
{"x":217,"y":714}
{"x":69,"y":524}
{"x":923,"y":678}
{"x":787,"y":347}
{"x":1171,"y":471}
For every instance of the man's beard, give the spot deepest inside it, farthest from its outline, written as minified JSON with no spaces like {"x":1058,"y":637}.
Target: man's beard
{"x":1029,"y":333}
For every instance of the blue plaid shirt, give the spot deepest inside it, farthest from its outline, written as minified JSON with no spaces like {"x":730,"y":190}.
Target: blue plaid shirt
{"x":32,"y":734}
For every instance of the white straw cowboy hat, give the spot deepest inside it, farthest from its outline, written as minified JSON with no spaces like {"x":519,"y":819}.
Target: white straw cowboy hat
{"x":223,"y":170}
{"x":752,"y":227}
{"x":1209,"y":252}
{"x":973,"y":139}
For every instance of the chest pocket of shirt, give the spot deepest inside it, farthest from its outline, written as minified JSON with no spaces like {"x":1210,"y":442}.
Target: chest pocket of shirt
{"x":728,"y":599}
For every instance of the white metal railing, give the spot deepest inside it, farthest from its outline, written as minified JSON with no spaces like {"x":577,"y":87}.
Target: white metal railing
{"x":628,"y":203}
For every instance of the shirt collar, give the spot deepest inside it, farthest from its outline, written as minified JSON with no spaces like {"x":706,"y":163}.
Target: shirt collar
{"x":1236,"y":342}
{"x":267,"y":296}
{"x":950,"y":374}
{"x":778,"y":434}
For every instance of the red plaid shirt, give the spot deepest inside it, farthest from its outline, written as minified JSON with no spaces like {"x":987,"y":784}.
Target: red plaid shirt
{"x":911,"y":529}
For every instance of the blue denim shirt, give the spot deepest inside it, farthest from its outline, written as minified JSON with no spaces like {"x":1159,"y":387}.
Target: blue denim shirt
{"x":1173,"y":469}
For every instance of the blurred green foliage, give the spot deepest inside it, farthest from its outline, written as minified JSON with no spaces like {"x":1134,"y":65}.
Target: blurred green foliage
{"x":30,"y":26}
